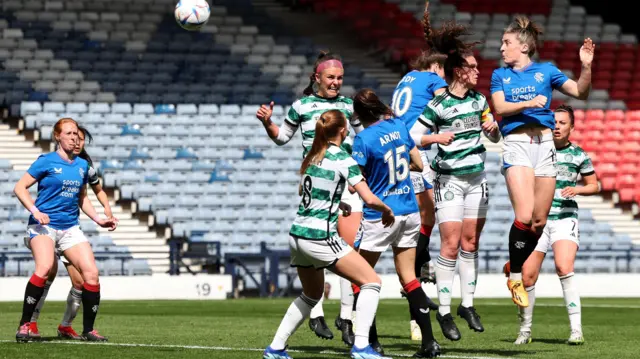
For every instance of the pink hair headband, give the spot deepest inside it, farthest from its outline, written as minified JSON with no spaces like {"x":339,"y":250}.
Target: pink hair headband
{"x":327,"y":64}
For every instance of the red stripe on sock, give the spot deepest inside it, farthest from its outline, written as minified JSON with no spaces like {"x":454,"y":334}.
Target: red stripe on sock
{"x":411,"y":286}
{"x":521,"y":226}
{"x":37,"y":281}
{"x":426,"y":230}
{"x":355,"y":288}
{"x":91,"y":288}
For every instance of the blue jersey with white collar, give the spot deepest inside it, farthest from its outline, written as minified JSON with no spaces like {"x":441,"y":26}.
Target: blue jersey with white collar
{"x":413,"y":93}
{"x":59,"y":186}
{"x":382,"y":149}
{"x":524,"y":85}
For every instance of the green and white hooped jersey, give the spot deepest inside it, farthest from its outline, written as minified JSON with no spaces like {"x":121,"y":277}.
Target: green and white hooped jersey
{"x":306,"y":111}
{"x":464,"y":117}
{"x":322,"y":187}
{"x":571,"y":161}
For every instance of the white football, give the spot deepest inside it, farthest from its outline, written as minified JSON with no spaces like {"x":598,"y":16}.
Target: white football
{"x":192,"y":14}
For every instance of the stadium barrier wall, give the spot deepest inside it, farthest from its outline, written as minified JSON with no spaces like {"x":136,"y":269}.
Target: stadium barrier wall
{"x":495,"y":286}
{"x":216,"y":287}
{"x":157,"y":286}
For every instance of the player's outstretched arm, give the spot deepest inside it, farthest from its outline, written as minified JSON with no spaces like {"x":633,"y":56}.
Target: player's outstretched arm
{"x":279,"y":135}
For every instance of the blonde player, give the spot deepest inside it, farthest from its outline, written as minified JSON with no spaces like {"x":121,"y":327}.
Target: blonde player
{"x":521,"y":94}
{"x":562,"y":230}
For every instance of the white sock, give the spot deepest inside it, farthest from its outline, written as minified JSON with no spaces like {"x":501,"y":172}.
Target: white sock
{"x":36,"y":313}
{"x":572,"y":301}
{"x":468,"y":270}
{"x":366,"y":308}
{"x":346,"y":299}
{"x":317,"y":311}
{"x":445,"y":272}
{"x":526,"y":314}
{"x":296,"y":314}
{"x":74,"y":301}
{"x":515,"y":276}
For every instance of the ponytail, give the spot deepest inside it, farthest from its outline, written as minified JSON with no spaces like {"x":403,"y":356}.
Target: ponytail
{"x":327,"y":127}
{"x":324,"y":56}
{"x":526,"y":31}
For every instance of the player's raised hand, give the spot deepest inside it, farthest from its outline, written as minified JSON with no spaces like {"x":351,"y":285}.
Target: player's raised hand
{"x":264,"y":112}
{"x":587,"y":50}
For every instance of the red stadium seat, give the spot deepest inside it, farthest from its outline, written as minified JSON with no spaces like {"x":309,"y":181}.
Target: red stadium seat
{"x":597,"y":115}
{"x":626,"y":195}
{"x":625,"y":168}
{"x":609,"y":157}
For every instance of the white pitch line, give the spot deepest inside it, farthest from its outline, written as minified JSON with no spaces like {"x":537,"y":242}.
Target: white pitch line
{"x":200,"y":347}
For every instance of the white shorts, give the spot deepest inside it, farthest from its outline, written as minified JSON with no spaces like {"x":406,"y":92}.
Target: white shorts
{"x":422,"y":180}
{"x":63,"y":239}
{"x":537,"y":152}
{"x":351,"y":199}
{"x":558,"y":230}
{"x":321,"y":253}
{"x":460,"y":197}
{"x":402,"y":234}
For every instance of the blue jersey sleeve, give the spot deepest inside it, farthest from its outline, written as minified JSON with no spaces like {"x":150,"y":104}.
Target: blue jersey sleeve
{"x":557,"y":77}
{"x":38,"y":168}
{"x":496,"y":81}
{"x":436,"y":84}
{"x":359,"y":152}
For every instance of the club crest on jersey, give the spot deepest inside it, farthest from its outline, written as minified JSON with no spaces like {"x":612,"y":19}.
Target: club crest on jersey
{"x":475,"y":105}
{"x":57,"y":171}
{"x":568,"y":158}
{"x":539,"y":77}
{"x":448,"y":195}
{"x":81,"y":171}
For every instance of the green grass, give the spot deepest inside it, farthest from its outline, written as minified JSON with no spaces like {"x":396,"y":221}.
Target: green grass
{"x":610,"y":327}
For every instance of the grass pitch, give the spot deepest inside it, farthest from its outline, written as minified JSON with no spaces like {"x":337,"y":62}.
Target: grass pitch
{"x":240,"y":329}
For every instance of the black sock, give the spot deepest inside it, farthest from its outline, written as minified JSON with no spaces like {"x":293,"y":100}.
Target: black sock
{"x":373,"y":332}
{"x":90,"y":305}
{"x":355,"y":299}
{"x":413,"y":317}
{"x":32,"y":295}
{"x":518,"y":238}
{"x":532,"y":242}
{"x":420,"y":310}
{"x":422,"y":250}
